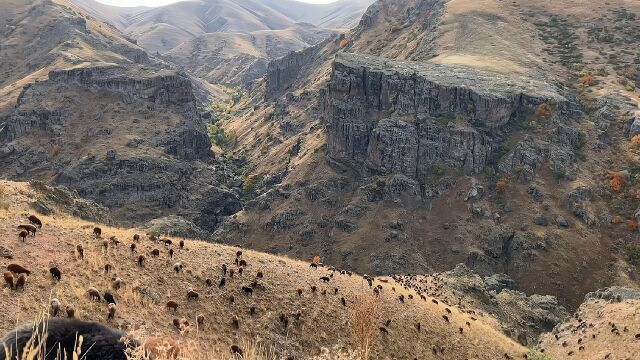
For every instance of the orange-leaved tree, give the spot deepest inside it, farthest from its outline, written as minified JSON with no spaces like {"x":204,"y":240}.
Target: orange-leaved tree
{"x":543,"y":110}
{"x":616,"y":181}
{"x":635,"y":140}
{"x":632,"y":225}
{"x":586,"y":80}
{"x":501,"y":186}
{"x":343,"y":43}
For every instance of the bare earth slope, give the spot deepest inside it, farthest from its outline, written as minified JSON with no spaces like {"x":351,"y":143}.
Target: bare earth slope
{"x":324,"y":323}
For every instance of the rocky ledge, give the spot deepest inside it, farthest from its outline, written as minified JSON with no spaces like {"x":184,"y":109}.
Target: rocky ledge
{"x":387,"y":116}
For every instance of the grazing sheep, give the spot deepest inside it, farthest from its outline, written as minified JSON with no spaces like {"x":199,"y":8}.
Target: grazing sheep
{"x":172,"y":305}
{"x":343,"y":301}
{"x":232,"y":299}
{"x":17,"y":269}
{"x":401,"y":298}
{"x":107,"y":268}
{"x":181,"y":244}
{"x":259,"y":275}
{"x":23,"y":235}
{"x":314,"y":289}
{"x":447,"y":310}
{"x":9,"y":279}
{"x":335,"y":291}
{"x":105,"y":244}
{"x":200,"y":319}
{"x":80,"y":251}
{"x":56,"y":274}
{"x":461,"y":330}
{"x":30,"y":229}
{"x":418,"y":326}
{"x":136,"y":237}
{"x":238,"y":253}
{"x":155,"y":252}
{"x":99,"y":342}
{"x":298,"y":315}
{"x":299,"y":292}
{"x":141,"y":260}
{"x":313,"y":265}
{"x":224,"y":269}
{"x":223,"y":282}
{"x":236,"y":350}
{"x":71,"y":312}
{"x":446,"y":318}
{"x":252,"y":310}
{"x":171,"y":253}
{"x":93,"y":293}
{"x":192,"y":294}
{"x":97,"y":232}
{"x":21,"y":281}
{"x":434,"y":301}
{"x":236,"y":322}
{"x":209,"y":282}
{"x":387,"y":323}
{"x":247,"y":290}
{"x":166,"y":242}
{"x":284,"y":319}
{"x":112,"y":311}
{"x":133,"y":248}
{"x":35,"y":221}
{"x":116,"y":284}
{"x":231,"y":272}
{"x":177,"y":267}
{"x":325,"y":279}
{"x":243,"y":263}
{"x":115,"y":240}
{"x":384,"y":330}
{"x":108,"y":298}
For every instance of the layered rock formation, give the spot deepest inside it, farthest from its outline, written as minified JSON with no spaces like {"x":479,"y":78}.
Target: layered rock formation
{"x":388,"y":117}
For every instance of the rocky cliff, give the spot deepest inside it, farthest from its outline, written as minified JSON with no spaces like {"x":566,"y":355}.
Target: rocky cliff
{"x":388,"y":117}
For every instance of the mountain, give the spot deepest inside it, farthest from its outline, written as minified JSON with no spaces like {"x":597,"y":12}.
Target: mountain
{"x":436,"y":133}
{"x":208,"y":37}
{"x":84,"y":107}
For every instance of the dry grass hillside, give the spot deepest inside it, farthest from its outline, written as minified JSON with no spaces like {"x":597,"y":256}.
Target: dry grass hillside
{"x":319,"y":324}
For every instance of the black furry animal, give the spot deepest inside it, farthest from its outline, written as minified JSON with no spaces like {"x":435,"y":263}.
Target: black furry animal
{"x":236,"y":350}
{"x":325,"y":279}
{"x":99,"y":342}
{"x":133,"y":248}
{"x":224,"y":269}
{"x":23,"y":235}
{"x":97,"y":232}
{"x":80,"y":251}
{"x":29,"y":229}
{"x":56,"y":274}
{"x":35,"y":221}
{"x":136,"y":237}
{"x":166,"y":242}
{"x":17,"y":269}
{"x":171,"y":253}
{"x":108,"y":298}
{"x":21,"y":281}
{"x":247,"y":290}
{"x":155,"y":252}
{"x":141,"y":260}
{"x":239,"y":254}
{"x":172,"y":305}
{"x":192,"y":295}
{"x":181,"y":244}
{"x":243,"y":263}
{"x":259,"y":275}
{"x":222,"y":283}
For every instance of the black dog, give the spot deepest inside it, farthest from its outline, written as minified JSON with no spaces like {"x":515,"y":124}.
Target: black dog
{"x":99,"y":342}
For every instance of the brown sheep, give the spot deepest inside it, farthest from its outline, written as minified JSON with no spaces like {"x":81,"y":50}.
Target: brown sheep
{"x":192,"y":295}
{"x":55,"y":307}
{"x":133,"y":248}
{"x":97,"y":232}
{"x":80,"y":251}
{"x":172,"y":305}
{"x":21,"y":281}
{"x":105,"y":244}
{"x":231,"y":272}
{"x":136,"y":237}
{"x":243,"y":263}
{"x":236,"y":350}
{"x":56,"y":274}
{"x":17,"y":269}
{"x":112,"y":311}
{"x":23,"y":235}
{"x":446,"y":318}
{"x":314,"y":289}
{"x":236,"y":322}
{"x":30,"y":229}
{"x":155,"y":252}
{"x":384,"y":330}
{"x":171,"y":253}
{"x":93,"y":293}
{"x":9,"y":279}
{"x":209,"y":282}
{"x":141,"y":260}
{"x":71,"y":312}
{"x":284,"y":319}
{"x":252,"y":310}
{"x":116,"y":283}
{"x":166,"y":242}
{"x":343,"y":301}
{"x":232,"y":299}
{"x":418,"y":326}
{"x":299,"y":292}
{"x":35,"y":221}
{"x":181,"y":244}
{"x":107,"y":268}
{"x":115,"y":240}
{"x":200,"y":319}
{"x":238,"y":253}
{"x":259,"y":275}
{"x":240,"y":271}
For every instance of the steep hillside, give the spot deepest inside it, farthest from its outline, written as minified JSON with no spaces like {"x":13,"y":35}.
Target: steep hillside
{"x":325,"y":327}
{"x":86,"y":108}
{"x":495,"y":134}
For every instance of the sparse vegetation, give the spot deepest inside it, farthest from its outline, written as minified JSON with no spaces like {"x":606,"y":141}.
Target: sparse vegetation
{"x":364,"y":319}
{"x":633,"y":254}
{"x":616,"y":181}
{"x":4,"y":202}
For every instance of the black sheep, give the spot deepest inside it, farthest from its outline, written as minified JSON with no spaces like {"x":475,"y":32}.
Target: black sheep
{"x":29,"y":228}
{"x":99,"y":342}
{"x":108,"y":298}
{"x":56,"y":273}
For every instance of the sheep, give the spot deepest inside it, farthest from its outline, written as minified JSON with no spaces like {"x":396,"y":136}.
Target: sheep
{"x":116,"y":283}
{"x":56,"y":274}
{"x":181,"y":244}
{"x":112,"y":311}
{"x":247,"y":290}
{"x":252,"y":310}
{"x":171,"y":253}
{"x":107,"y":268}
{"x":172,"y":305}
{"x":325,"y":279}
{"x":387,"y":323}
{"x":93,"y":293}
{"x":401,"y":298}
{"x":447,"y":310}
{"x":108,"y":298}
{"x":17,"y":269}
{"x":434,"y":301}
{"x":200,"y":319}
{"x":80,"y":251}
{"x":240,"y":271}
{"x":71,"y":312}
{"x":97,"y":232}
{"x":224,"y":269}
{"x":384,"y":330}
{"x":223,"y":282}
{"x":236,"y":350}
{"x":231,"y":272}
{"x":133,"y":248}
{"x":242,"y":263}
{"x":298,"y":315}
{"x":192,"y":294}
{"x":446,"y":318}
{"x":105,"y":245}
{"x":314,"y":289}
{"x":299,"y":292}
{"x":141,"y":260}
{"x":23,"y":235}
{"x":259,"y":275}
{"x":418,"y":326}
{"x":335,"y":291}
{"x":99,"y":342}
{"x":209,"y":282}
{"x":343,"y":301}
{"x":155,"y":252}
{"x":238,"y":253}
{"x":21,"y":281}
{"x":136,"y":237}
{"x":30,"y":229}
{"x":177,"y":267}
{"x":9,"y":279}
{"x":166,"y":242}
{"x":313,"y":265}
{"x":235,"y":322}
{"x":35,"y":221}
{"x":115,"y":240}
{"x":284,"y":319}
{"x":232,"y":299}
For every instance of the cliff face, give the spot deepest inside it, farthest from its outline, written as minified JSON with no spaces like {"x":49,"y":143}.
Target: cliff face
{"x":389,"y":117}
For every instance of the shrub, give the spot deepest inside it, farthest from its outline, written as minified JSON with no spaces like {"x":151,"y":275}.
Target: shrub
{"x":632,"y":225}
{"x":501,"y":186}
{"x":343,"y":43}
{"x":543,"y":110}
{"x":220,"y":137}
{"x":633,"y":254}
{"x":616,"y":181}
{"x":586,"y":80}
{"x":534,"y":355}
{"x":364,"y":317}
{"x":635,"y":140}
{"x":4,"y":202}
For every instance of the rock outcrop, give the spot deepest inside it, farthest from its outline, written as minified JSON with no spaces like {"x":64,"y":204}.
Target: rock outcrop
{"x":411,"y":118}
